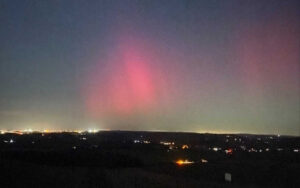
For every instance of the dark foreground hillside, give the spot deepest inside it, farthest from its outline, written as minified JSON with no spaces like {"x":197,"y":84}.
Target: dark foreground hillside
{"x":137,"y":159}
{"x":20,"y":174}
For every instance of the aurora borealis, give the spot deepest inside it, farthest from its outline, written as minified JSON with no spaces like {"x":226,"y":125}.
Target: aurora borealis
{"x":199,"y":66}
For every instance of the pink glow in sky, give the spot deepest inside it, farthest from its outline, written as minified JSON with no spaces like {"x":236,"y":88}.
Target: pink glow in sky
{"x":152,"y":65}
{"x":129,"y":83}
{"x":268,"y":56}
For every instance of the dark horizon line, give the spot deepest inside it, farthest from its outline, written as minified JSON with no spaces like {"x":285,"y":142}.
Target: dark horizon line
{"x":149,"y":131}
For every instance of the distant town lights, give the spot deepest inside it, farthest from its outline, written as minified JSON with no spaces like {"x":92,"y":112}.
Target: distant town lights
{"x":92,"y":131}
{"x":28,"y":130}
{"x":216,"y":149}
{"x":167,"y":143}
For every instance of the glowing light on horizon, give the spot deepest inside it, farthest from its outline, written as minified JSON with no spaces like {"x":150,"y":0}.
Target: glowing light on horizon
{"x":28,"y":130}
{"x":92,"y":130}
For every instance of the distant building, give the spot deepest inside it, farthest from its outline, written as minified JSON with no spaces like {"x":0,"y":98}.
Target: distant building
{"x":228,"y":177}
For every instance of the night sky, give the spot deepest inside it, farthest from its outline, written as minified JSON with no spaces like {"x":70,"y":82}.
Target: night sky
{"x":200,"y":66}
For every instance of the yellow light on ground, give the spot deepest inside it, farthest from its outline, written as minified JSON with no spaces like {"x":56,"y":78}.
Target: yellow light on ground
{"x":184,"y":162}
{"x":185,"y":147}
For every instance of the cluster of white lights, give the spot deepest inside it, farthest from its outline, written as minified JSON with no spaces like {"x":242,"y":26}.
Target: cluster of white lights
{"x":252,"y":150}
{"x":10,"y":141}
{"x":216,"y":149}
{"x":141,"y":141}
{"x":92,"y":131}
{"x":167,"y":143}
{"x":28,"y":130}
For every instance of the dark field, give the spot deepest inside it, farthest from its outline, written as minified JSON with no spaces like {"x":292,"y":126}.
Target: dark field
{"x":148,"y":159}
